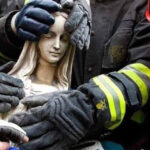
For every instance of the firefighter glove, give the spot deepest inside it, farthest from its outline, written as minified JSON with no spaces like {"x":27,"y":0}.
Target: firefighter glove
{"x":59,"y":123}
{"x":11,"y":89}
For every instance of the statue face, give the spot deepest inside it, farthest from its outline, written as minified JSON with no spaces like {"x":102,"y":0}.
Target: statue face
{"x":54,"y":44}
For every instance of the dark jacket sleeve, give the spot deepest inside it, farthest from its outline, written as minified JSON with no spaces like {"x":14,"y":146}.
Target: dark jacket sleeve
{"x":10,"y":45}
{"x":127,"y":90}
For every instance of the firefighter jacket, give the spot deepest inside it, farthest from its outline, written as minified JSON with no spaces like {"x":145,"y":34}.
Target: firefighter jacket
{"x":117,"y":65}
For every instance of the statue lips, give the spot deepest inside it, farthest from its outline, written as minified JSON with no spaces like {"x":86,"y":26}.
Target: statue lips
{"x":54,"y":53}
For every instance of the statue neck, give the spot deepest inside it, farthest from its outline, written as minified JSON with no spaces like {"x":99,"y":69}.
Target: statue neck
{"x":45,"y":72}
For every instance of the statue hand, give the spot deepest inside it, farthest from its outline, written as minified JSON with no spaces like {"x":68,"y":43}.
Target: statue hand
{"x":79,"y":23}
{"x":11,"y":89}
{"x":58,"y":124}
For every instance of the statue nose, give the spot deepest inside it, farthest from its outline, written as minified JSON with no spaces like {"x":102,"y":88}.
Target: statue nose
{"x":57,"y":43}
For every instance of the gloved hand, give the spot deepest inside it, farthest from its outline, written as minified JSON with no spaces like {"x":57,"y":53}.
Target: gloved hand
{"x":59,"y":123}
{"x":10,"y":89}
{"x":10,"y":131}
{"x":79,"y":22}
{"x":35,"y":18}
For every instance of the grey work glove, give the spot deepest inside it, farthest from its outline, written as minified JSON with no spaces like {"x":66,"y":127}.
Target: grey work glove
{"x":79,"y":22}
{"x":11,"y":89}
{"x":59,"y":123}
{"x":10,"y":131}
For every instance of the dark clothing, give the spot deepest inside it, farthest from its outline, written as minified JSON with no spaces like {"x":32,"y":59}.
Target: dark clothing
{"x":6,"y":6}
{"x":120,"y":36}
{"x":10,"y":45}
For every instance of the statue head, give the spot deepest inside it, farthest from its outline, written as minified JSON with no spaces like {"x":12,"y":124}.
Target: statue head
{"x":53,"y":46}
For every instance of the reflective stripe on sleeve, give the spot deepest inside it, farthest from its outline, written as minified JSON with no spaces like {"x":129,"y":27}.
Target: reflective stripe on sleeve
{"x":141,"y":68}
{"x":141,"y":78}
{"x":115,"y":100}
{"x":108,"y":96}
{"x":119,"y":95}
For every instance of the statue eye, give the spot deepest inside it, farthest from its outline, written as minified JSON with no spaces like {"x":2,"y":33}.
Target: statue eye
{"x":65,"y":37}
{"x":49,"y":34}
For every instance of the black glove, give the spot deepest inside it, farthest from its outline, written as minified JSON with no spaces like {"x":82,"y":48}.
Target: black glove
{"x":59,"y":123}
{"x":10,"y":89}
{"x":79,"y":22}
{"x":34,"y":19}
{"x":10,"y":131}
